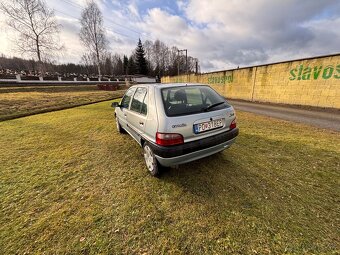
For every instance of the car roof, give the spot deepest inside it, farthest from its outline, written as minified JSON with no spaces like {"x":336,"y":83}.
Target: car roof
{"x":169,"y":85}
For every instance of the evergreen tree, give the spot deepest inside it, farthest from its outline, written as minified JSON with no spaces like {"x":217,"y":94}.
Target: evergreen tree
{"x":131,"y":68}
{"x":108,"y":66}
{"x":118,"y":67}
{"x":125,"y":64}
{"x":141,"y":64}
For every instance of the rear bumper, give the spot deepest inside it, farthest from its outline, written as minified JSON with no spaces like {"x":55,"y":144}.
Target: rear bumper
{"x":184,"y":153}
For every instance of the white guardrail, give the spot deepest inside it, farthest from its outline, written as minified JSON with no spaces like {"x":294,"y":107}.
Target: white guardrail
{"x":41,"y":80}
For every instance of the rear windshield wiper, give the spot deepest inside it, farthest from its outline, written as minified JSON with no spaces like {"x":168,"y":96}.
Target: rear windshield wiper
{"x":205,"y":109}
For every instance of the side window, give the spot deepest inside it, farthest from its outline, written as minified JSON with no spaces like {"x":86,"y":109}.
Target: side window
{"x":144,"y":110}
{"x":127,"y":97}
{"x":138,"y":104}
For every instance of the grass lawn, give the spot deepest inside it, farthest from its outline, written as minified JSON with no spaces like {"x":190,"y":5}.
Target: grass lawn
{"x":23,"y":101}
{"x":70,"y":184}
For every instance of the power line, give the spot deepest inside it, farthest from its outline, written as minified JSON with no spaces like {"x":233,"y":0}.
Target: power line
{"x":78,"y":6}
{"x":108,"y":28}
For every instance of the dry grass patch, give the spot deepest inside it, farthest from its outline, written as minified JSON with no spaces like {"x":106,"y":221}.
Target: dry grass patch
{"x":69,"y":184}
{"x":31,"y":100}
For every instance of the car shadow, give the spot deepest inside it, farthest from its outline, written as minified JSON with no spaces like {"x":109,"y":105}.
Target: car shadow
{"x":215,"y":177}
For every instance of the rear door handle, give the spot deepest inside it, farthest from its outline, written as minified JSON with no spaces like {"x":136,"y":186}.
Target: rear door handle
{"x":141,"y":123}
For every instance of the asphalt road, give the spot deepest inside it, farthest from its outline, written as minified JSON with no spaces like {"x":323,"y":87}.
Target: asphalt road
{"x":321,"y":119}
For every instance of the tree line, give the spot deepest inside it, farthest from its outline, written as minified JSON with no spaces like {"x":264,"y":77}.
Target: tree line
{"x":38,"y":38}
{"x":31,"y":67}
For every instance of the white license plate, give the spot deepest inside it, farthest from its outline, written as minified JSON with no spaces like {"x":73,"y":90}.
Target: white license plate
{"x":209,"y":125}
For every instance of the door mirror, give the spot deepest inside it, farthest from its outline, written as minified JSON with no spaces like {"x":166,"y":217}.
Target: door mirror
{"x":115,"y":104}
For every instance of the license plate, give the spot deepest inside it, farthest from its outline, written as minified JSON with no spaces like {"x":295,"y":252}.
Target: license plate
{"x":209,"y":125}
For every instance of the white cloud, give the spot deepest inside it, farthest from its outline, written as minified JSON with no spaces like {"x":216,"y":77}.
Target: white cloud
{"x":221,"y":34}
{"x":133,"y":9}
{"x":69,"y":37}
{"x":243,"y":32}
{"x":4,"y":38}
{"x":328,"y":35}
{"x":181,"y":4}
{"x":162,"y":25}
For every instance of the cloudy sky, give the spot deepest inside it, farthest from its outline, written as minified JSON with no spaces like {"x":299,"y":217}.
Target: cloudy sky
{"x":222,"y":34}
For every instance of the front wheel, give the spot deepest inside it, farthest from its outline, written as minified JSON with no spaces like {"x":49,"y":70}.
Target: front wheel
{"x":150,"y":160}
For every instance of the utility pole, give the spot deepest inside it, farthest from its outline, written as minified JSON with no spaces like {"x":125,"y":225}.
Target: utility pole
{"x":186,"y":60}
{"x":177,"y":62}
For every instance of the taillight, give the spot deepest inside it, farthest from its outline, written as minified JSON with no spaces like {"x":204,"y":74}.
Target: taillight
{"x":167,"y":139}
{"x":233,"y":124}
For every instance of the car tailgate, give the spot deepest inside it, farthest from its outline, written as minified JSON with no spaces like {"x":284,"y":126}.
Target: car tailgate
{"x":199,"y":126}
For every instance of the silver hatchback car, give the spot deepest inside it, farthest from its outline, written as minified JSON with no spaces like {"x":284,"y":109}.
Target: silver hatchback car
{"x":176,"y":123}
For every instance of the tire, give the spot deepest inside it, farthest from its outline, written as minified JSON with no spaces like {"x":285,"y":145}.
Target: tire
{"x":119,"y":127}
{"x":151,"y":161}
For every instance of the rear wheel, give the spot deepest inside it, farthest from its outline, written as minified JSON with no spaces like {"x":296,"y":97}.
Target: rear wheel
{"x":119,"y":127}
{"x":150,"y":160}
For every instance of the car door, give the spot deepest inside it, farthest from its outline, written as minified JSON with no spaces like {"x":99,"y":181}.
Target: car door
{"x":121,"y":112}
{"x":136,"y":116}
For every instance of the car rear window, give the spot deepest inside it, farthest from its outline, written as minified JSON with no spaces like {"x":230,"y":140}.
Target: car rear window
{"x":187,"y":100}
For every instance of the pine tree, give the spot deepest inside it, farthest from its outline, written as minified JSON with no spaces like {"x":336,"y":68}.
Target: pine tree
{"x":131,"y":68}
{"x":108,"y":66}
{"x":141,"y":64}
{"x":125,"y":64}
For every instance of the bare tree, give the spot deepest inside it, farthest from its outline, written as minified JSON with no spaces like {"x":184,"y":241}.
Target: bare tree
{"x":87,"y":61}
{"x":118,"y":66}
{"x":173,"y":61}
{"x":36,"y":25}
{"x":92,"y":33}
{"x":106,"y":60}
{"x":148,"y":47}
